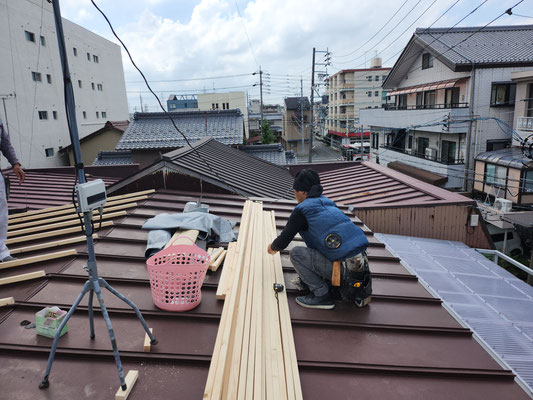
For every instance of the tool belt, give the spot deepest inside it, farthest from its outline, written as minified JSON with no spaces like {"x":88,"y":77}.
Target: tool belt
{"x":355,"y":283}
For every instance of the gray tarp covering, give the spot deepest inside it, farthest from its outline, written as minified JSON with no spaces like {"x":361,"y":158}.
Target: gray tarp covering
{"x":216,"y":228}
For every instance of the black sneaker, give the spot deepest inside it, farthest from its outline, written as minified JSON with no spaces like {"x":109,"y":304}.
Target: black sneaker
{"x":311,"y":301}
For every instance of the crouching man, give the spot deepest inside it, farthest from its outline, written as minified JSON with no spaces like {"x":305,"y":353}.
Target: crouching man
{"x":333,"y":241}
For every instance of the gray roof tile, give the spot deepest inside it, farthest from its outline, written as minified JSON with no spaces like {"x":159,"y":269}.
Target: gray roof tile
{"x":274,"y":153}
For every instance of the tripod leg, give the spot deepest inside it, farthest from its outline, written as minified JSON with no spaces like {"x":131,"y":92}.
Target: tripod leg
{"x":45,"y":383}
{"x":91,"y":314}
{"x":111,"y":336}
{"x":102,"y":282}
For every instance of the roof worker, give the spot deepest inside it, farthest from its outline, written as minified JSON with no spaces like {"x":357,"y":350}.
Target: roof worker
{"x":9,"y":153}
{"x":333,"y":242}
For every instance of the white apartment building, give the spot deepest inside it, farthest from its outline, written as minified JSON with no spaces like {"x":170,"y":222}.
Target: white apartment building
{"x":226,"y":101}
{"x":31,"y":83}
{"x":349,"y":91}
{"x":451,"y":98}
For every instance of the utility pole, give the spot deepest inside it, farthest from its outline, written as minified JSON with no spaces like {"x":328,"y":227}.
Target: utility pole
{"x":301,"y":103}
{"x":311,"y":117}
{"x":261,"y":94}
{"x":141,"y":98}
{"x":362,"y":142}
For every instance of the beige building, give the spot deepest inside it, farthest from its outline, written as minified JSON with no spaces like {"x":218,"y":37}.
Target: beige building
{"x":291,"y":137}
{"x":225,"y":101}
{"x":349,"y":91}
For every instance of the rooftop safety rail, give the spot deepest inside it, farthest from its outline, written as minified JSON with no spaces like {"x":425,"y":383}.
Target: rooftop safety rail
{"x":498,"y":254}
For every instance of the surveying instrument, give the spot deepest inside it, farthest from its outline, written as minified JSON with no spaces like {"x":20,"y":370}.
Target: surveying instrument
{"x":90,"y":196}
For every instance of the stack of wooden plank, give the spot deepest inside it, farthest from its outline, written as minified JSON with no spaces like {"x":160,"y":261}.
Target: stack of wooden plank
{"x":254,"y":355}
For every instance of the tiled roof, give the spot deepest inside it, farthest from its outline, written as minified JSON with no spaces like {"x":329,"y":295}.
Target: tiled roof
{"x":222,"y":166}
{"x":113,"y":158}
{"x":492,"y":45}
{"x":274,"y":153}
{"x":404,"y":345}
{"x":156,"y":131}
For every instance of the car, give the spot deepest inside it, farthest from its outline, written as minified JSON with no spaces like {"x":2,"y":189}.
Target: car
{"x":514,"y":244}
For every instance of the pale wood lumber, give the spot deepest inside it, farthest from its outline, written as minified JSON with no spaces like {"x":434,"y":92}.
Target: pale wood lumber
{"x":7,"y":301}
{"x":67,"y":206}
{"x":183,"y":237}
{"x":227,"y":272}
{"x":294,"y":388}
{"x":61,"y":224}
{"x":15,"y":219}
{"x":130,"y":379}
{"x":214,"y":255}
{"x":215,"y":377}
{"x":49,"y":245}
{"x":147,"y":342}
{"x":68,"y":217}
{"x":36,"y":259}
{"x":22,"y":277}
{"x":210,"y":250}
{"x":214,"y":265}
{"x":58,"y":232}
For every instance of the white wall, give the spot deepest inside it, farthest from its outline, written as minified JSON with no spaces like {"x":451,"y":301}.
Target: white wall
{"x":235,"y":100}
{"x":30,"y":135}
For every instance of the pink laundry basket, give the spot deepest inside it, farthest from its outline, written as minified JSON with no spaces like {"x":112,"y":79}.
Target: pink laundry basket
{"x":176,"y":276}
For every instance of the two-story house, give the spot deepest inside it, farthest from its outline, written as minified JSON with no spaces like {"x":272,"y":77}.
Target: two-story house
{"x":450,"y":96}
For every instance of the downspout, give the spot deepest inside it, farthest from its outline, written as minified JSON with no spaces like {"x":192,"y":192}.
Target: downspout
{"x":467,"y":184}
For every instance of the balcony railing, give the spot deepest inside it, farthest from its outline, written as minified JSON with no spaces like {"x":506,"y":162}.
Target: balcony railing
{"x":413,"y":153}
{"x":525,"y":124}
{"x":424,"y":107}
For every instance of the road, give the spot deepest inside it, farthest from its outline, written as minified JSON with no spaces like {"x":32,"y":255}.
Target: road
{"x":321,"y":153}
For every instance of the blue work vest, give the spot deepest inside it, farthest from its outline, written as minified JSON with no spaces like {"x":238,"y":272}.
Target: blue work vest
{"x":331,"y":232}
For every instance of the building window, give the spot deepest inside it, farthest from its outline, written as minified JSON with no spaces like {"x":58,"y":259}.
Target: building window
{"x":375,"y":140}
{"x":402,"y":101}
{"x":498,"y":144}
{"x":95,"y":59}
{"x":227,"y":106}
{"x":376,"y":78}
{"x":369,"y":93}
{"x":369,"y":78}
{"x":448,"y":151}
{"x":99,"y":87}
{"x":36,"y":76}
{"x":30,"y":36}
{"x":75,"y":51}
{"x":451,"y":97}
{"x":429,"y":99}
{"x":376,"y":93}
{"x":43,"y":114}
{"x":427,"y":61}
{"x":43,"y":41}
{"x":97,"y":115}
{"x":422,"y":145}
{"x":104,"y":114}
{"x":383,"y":77}
{"x":54,"y":114}
{"x":49,"y":78}
{"x":88,"y":57}
{"x":92,"y":85}
{"x":409,"y":142}
{"x":502,"y":94}
{"x":84,"y":115}
{"x":528,"y":181}
{"x":49,"y":152}
{"x":495,"y":175}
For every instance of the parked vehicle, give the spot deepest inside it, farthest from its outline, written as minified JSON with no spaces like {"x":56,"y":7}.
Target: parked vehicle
{"x":352,"y":152}
{"x":514,"y":244}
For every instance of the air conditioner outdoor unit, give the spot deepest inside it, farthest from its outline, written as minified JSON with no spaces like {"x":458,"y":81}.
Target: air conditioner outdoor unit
{"x":431,"y":153}
{"x":503,"y":205}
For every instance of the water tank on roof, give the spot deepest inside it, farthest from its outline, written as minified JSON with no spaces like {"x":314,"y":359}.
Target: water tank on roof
{"x":375,"y":62}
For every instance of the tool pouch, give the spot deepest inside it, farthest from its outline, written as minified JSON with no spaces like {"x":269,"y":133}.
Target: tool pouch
{"x":356,"y":282}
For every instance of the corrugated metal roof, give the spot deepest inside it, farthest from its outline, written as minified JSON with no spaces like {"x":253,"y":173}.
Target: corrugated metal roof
{"x":156,"y":131}
{"x":509,"y":157}
{"x":404,"y":345}
{"x":492,"y":45}
{"x":273,"y":153}
{"x":490,"y":300}
{"x":373,"y":185}
{"x":42,"y":189}
{"x":220,"y":165}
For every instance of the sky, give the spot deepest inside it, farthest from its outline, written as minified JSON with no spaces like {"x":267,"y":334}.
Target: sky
{"x":196,"y":46}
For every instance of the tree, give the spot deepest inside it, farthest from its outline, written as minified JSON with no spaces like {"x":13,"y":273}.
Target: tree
{"x":267,"y":134}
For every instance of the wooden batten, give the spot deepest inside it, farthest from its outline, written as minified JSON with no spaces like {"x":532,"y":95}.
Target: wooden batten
{"x":130,"y":379}
{"x":22,"y":277}
{"x":227,"y":272}
{"x":36,"y":259}
{"x":50,"y":245}
{"x":7,"y":301}
{"x":58,"y":232}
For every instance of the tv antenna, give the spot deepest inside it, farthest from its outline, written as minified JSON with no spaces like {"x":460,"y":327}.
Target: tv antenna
{"x":90,"y":195}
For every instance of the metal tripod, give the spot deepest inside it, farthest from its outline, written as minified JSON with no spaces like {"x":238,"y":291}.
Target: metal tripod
{"x":94,"y":283}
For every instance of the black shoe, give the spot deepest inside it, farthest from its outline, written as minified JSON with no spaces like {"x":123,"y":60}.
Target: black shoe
{"x":311,"y":301}
{"x":9,"y":258}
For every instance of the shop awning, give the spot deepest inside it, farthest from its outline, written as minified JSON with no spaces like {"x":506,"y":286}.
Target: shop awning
{"x":426,"y":86}
{"x":349,"y":134}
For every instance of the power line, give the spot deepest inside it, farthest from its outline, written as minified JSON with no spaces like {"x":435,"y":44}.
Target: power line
{"x":246,"y":31}
{"x":195,"y":79}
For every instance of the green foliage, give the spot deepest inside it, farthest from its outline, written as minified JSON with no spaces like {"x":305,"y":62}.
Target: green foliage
{"x":267,"y":134}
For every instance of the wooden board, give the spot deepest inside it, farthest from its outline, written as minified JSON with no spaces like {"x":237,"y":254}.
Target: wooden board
{"x":7,"y":301}
{"x":58,"y":232}
{"x":183,"y":237}
{"x":227,"y":272}
{"x":214,"y":265}
{"x":130,"y":379}
{"x":36,"y":259}
{"x":22,"y":277}
{"x":49,"y":245}
{"x":147,"y":342}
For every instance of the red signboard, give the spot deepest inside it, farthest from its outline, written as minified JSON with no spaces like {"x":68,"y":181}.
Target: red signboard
{"x":350,"y":134}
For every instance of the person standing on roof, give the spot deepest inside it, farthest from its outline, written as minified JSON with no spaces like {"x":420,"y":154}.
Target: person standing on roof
{"x":9,"y":152}
{"x":330,"y":237}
